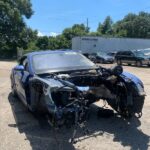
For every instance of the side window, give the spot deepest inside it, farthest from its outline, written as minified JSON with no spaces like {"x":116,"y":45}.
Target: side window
{"x":130,"y":53}
{"x":122,"y":53}
{"x":119,"y":53}
{"x":126,"y":53}
{"x":24,"y":62}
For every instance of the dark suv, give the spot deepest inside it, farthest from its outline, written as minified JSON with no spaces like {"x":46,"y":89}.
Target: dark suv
{"x":136,"y":57}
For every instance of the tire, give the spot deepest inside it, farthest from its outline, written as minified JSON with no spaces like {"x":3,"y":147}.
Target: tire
{"x":101,"y":61}
{"x":119,"y":62}
{"x":13,"y":91}
{"x":138,"y":102}
{"x":133,"y":107}
{"x":94,"y":61}
{"x":138,"y":63}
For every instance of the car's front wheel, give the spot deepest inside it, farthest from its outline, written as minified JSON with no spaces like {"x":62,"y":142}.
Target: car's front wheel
{"x":137,"y":104}
{"x":127,"y":105}
{"x":13,"y":91}
{"x":138,"y":63}
{"x":13,"y":88}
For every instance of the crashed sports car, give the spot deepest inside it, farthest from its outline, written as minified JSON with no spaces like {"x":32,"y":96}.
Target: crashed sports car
{"x":63,"y":85}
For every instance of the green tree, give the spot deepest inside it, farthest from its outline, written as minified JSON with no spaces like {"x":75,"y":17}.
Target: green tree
{"x":43,"y":43}
{"x":134,"y":26}
{"x":58,"y":42}
{"x":75,"y":30}
{"x":99,"y":28}
{"x":106,"y":27}
{"x":13,"y":30}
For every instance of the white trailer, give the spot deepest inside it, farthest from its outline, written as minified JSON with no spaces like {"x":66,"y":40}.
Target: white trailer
{"x":88,"y":44}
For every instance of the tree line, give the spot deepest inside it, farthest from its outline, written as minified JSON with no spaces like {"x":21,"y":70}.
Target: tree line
{"x":14,"y":33}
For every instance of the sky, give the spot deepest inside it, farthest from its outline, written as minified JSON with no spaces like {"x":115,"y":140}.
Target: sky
{"x":51,"y":17}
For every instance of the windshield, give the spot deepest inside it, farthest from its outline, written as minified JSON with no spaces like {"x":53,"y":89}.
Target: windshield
{"x":142,"y":53}
{"x":102,"y":54}
{"x":146,"y":52}
{"x":61,"y":61}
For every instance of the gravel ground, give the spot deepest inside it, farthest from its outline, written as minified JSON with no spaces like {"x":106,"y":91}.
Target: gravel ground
{"x":19,"y":129}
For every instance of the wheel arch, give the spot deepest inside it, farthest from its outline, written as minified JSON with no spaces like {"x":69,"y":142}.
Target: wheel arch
{"x":137,"y":83}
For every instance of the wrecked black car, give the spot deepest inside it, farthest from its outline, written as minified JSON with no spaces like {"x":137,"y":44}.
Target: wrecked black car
{"x":63,"y":85}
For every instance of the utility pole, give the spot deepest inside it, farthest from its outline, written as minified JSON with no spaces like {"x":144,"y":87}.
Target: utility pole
{"x":87,"y":25}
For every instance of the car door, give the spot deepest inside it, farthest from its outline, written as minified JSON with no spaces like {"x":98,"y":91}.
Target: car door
{"x":130,"y":57}
{"x":122,"y":57}
{"x":21,"y":80}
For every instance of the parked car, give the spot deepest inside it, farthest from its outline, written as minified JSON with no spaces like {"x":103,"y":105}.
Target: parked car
{"x":63,"y":84}
{"x":91,"y":56}
{"x":86,"y":55}
{"x":102,"y":57}
{"x":136,"y":57}
{"x":112,"y":54}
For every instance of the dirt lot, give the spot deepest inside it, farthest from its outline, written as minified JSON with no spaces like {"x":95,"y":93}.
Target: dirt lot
{"x":19,"y":129}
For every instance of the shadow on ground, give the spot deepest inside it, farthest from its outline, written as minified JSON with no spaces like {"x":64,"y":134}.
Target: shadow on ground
{"x":42,"y":136}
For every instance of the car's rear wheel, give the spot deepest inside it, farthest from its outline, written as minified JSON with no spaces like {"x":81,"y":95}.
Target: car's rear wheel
{"x":138,"y":63}
{"x":119,"y":62}
{"x":101,"y":61}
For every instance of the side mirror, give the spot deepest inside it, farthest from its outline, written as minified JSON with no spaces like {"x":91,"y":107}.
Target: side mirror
{"x":19,"y":68}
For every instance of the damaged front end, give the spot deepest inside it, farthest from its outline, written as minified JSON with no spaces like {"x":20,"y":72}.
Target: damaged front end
{"x":67,"y":97}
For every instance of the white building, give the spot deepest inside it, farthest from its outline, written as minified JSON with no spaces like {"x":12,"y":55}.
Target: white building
{"x":89,"y":44}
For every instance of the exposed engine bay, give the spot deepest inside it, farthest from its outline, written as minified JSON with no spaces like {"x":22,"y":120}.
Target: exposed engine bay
{"x":89,"y":84}
{"x":65,"y":94}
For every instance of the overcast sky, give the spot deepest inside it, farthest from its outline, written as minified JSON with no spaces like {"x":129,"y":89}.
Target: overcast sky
{"x":52,"y":16}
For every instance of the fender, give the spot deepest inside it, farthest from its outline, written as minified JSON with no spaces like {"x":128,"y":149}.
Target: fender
{"x":128,"y":77}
